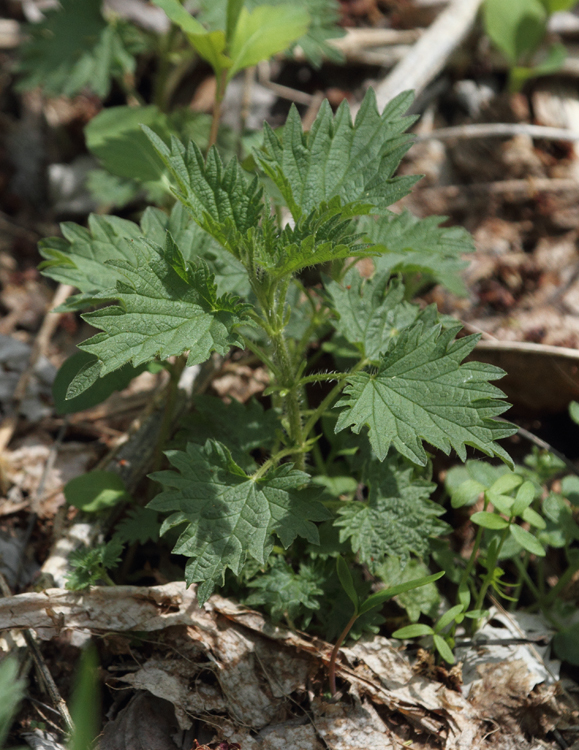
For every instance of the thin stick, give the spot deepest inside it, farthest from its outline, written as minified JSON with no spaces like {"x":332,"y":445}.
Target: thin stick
{"x":42,"y":667}
{"x":47,"y":329}
{"x":284,"y":92}
{"x":499,"y":130}
{"x":429,"y":55}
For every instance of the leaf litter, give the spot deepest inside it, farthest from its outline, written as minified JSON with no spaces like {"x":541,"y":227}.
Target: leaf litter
{"x":248,"y":681}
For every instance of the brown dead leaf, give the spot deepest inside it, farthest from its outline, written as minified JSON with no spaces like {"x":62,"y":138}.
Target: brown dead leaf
{"x":240,"y":382}
{"x":147,"y":723}
{"x":505,"y":696}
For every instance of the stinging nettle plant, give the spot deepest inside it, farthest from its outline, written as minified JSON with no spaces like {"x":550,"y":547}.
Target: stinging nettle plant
{"x":227,"y":269}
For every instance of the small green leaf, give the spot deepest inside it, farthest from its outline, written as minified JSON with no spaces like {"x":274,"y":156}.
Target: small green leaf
{"x":346,"y":580}
{"x":476,"y":614}
{"x":532,"y":517}
{"x":370,"y":312}
{"x":233,"y":10}
{"x":116,"y":138}
{"x":502,"y":503}
{"x":566,"y":644}
{"x":524,"y":497}
{"x":574,"y":411}
{"x":265,"y":31}
{"x":382,"y":596}
{"x":506,"y":484}
{"x":139,"y":525}
{"x":96,"y":491}
{"x":516,"y":27}
{"x":467,"y":493}
{"x":418,"y":630}
{"x":527,"y":541}
{"x":419,"y":248}
{"x":210,"y":45}
{"x":448,"y":617}
{"x":398,"y":518}
{"x":12,"y":689}
{"x":443,"y":649}
{"x":489,"y":520}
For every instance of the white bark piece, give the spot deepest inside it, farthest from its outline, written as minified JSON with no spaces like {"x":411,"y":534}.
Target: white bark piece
{"x":429,"y":55}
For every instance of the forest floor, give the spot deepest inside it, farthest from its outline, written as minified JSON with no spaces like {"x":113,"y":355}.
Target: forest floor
{"x":223,"y":674}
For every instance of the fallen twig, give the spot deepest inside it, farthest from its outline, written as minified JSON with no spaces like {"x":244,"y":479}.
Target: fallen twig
{"x":429,"y":55}
{"x":499,"y":130}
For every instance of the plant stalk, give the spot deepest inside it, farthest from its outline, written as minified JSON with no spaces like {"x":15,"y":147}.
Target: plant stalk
{"x":334,"y":656}
{"x":219,"y":94}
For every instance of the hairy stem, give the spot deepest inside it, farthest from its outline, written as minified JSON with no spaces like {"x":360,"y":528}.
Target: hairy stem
{"x":334,"y":656}
{"x":332,"y":395}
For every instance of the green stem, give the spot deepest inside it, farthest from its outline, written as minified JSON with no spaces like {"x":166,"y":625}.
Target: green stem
{"x":275,"y":459}
{"x":332,"y":395}
{"x":259,"y":352}
{"x":535,"y":591}
{"x":320,"y":377}
{"x":164,"y":69}
{"x":291,"y":399}
{"x":491,"y":564}
{"x":561,"y":583}
{"x":334,"y":656}
{"x":219,"y":94}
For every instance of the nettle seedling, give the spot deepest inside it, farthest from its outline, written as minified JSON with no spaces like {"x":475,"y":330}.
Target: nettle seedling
{"x":332,"y":461}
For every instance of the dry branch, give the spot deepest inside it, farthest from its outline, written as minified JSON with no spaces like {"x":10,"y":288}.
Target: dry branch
{"x":429,"y":55}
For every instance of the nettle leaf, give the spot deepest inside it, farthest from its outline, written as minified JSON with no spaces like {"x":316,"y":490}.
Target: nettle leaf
{"x":80,"y":258}
{"x":74,"y":49}
{"x":323,"y":235}
{"x":230,"y":275}
{"x":410,"y":245}
{"x":285,"y":592}
{"x":243,"y":427}
{"x":370,"y":312}
{"x":222,"y":200}
{"x":139,"y":525}
{"x":166,"y":307}
{"x":355,"y":162}
{"x":421,"y":392}
{"x":398,"y":518}
{"x":229,"y":516}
